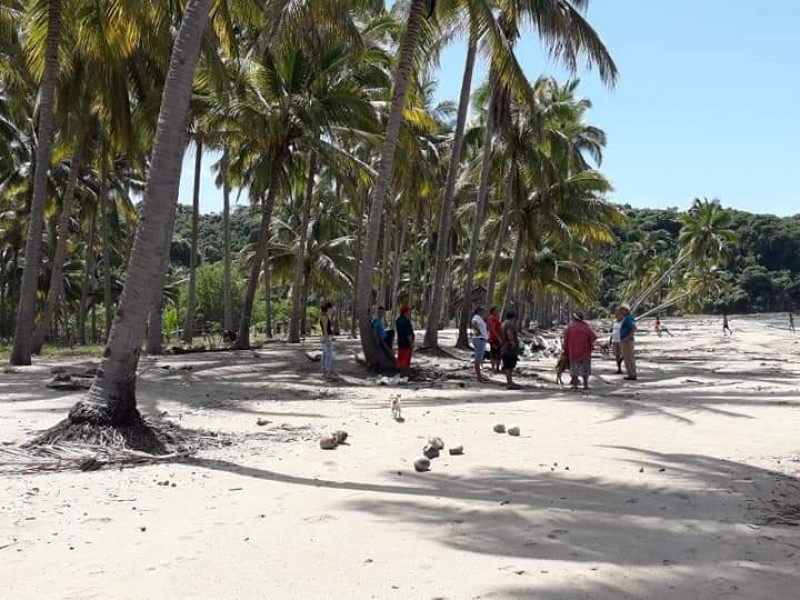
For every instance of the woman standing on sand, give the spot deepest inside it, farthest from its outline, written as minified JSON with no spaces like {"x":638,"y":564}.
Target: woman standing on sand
{"x":326,"y":327}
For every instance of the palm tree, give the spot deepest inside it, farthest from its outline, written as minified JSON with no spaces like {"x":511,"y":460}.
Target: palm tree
{"x":21,"y":351}
{"x":188,"y":326}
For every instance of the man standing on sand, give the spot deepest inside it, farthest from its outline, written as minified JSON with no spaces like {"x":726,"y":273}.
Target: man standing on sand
{"x":626,"y":341}
{"x":326,"y":327}
{"x":405,"y":338}
{"x":480,"y":334}
{"x":494,"y":326}
{"x":725,"y":324}
{"x":579,"y":339}
{"x":791,"y":322}
{"x":509,"y":348}
{"x":618,"y":316}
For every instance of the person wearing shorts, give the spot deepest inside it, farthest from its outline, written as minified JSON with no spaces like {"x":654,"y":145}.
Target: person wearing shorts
{"x":480,"y":333}
{"x":509,"y":348}
{"x":494,"y":325}
{"x":579,"y":339}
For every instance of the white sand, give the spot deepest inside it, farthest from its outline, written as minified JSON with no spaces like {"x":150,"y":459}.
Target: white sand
{"x":679,"y":486}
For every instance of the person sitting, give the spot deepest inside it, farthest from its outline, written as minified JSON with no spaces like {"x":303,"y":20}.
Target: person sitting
{"x":387,"y":337}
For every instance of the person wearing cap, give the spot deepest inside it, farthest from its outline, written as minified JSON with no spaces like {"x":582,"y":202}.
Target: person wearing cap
{"x":480,"y":333}
{"x":579,"y":338}
{"x":405,"y":338}
{"x":626,"y":341}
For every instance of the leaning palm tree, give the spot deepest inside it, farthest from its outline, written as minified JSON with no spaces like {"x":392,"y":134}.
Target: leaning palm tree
{"x":21,"y":351}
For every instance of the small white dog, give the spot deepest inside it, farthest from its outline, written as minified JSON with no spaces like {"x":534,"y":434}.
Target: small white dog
{"x":396,"y":411}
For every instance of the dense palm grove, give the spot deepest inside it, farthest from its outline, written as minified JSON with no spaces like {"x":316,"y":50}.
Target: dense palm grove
{"x":355,"y":185}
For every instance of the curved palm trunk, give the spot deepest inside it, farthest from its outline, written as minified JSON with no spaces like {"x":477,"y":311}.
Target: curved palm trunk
{"x":112,"y":398}
{"x":26,"y":312}
{"x":56,"y":288}
{"x":227,"y":306}
{"x":480,"y":213}
{"x":443,"y":250}
{"x":498,"y":250}
{"x":243,"y":339}
{"x":376,"y":358}
{"x":191,"y":302}
{"x":105,"y":234}
{"x":298,"y":302}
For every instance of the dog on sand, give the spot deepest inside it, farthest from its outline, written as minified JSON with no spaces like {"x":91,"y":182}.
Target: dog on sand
{"x":561,"y":367}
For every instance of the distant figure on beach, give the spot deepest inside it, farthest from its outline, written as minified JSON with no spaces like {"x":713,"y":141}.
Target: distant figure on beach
{"x":615,"y":347}
{"x":480,"y":333}
{"x":579,"y":340}
{"x":626,"y":341}
{"x":405,"y":338}
{"x":791,"y":322}
{"x":725,"y":326}
{"x":326,"y":327}
{"x":494,"y":325}
{"x":509,"y":348}
{"x":657,"y":325}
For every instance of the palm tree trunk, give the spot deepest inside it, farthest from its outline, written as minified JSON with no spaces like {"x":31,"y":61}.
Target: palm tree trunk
{"x":243,"y":339}
{"x":112,"y":398}
{"x":501,"y":240}
{"x":398,"y":259}
{"x":56,"y":288}
{"x":480,"y":213}
{"x":657,"y":284}
{"x":298,"y":302}
{"x":227,"y":302}
{"x":377,"y":359}
{"x":26,"y":312}
{"x":105,"y":235}
{"x":435,"y":308}
{"x":191,"y":303}
{"x":88,"y":273}
{"x":267,"y":299}
{"x":513,"y":275}
{"x":386,"y":245}
{"x":357,"y":254}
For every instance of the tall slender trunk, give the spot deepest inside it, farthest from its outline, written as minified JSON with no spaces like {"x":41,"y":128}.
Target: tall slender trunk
{"x":112,"y":398}
{"x":500,"y":243}
{"x":480,"y":213}
{"x":26,"y":312}
{"x":298,"y":302}
{"x":375,"y":357}
{"x":227,"y":302}
{"x":437,"y":293}
{"x":191,"y":302}
{"x":56,"y":288}
{"x":398,"y":262}
{"x":243,"y":339}
{"x":357,"y":254}
{"x":386,"y":246}
{"x":267,"y":299}
{"x":86,"y":282}
{"x":513,"y":275}
{"x":105,"y":235}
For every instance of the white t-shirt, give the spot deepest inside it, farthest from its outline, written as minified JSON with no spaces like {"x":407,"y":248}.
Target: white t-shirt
{"x":480,"y":325}
{"x":615,"y":331}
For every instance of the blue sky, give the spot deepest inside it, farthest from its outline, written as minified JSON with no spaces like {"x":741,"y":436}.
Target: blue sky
{"x":705,"y":105}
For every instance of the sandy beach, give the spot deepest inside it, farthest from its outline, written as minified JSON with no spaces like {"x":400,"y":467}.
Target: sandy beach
{"x":681,"y":485}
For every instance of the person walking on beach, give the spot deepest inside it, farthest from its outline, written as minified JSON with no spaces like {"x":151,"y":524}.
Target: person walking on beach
{"x":618,"y":316}
{"x":405,"y":338}
{"x":509,"y":348}
{"x":480,"y":334}
{"x":791,"y":322}
{"x":326,"y":327}
{"x":657,"y":326}
{"x":494,"y":325}
{"x":725,"y":327}
{"x":626,"y":341}
{"x":579,"y":339}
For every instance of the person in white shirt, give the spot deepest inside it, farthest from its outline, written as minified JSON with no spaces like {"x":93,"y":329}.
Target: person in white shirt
{"x":480,"y":333}
{"x":615,"y":339}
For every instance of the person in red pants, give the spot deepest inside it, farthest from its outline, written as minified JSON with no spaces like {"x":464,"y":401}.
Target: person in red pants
{"x":405,"y":338}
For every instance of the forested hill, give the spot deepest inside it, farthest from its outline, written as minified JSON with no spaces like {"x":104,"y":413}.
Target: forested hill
{"x":763,"y":272}
{"x":762,"y":269}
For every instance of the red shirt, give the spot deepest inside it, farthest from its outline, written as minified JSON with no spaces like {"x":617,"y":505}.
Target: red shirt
{"x":578,"y":341}
{"x":494,"y":329}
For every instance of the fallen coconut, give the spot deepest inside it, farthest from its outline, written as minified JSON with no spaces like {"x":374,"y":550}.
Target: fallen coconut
{"x":513,"y":431}
{"x":431,"y":451}
{"x":422,"y":464}
{"x":328,"y":442}
{"x":341,"y":436}
{"x":499,"y":428}
{"x":436,"y":442}
{"x":456,"y":450}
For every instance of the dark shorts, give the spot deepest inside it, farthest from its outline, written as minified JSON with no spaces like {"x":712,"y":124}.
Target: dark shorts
{"x":509,"y":361}
{"x":494,"y":351}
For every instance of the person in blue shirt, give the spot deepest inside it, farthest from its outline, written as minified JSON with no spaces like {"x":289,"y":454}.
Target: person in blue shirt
{"x":380,"y":329}
{"x":626,"y":341}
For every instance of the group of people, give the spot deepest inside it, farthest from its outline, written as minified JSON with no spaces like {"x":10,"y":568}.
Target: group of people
{"x":403,"y":331}
{"x":503,"y":341}
{"x":580,"y":339}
